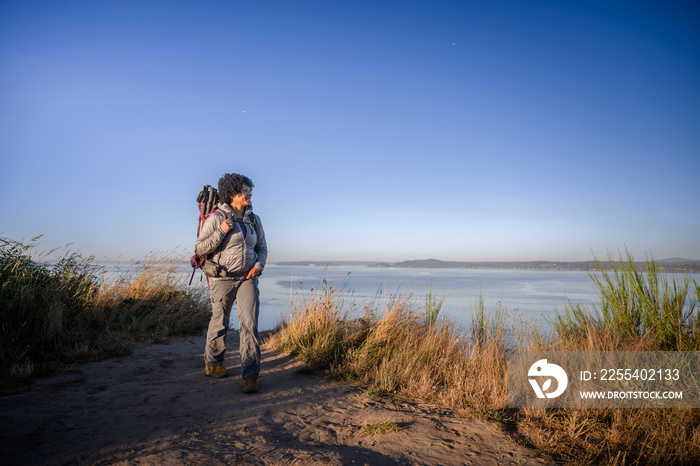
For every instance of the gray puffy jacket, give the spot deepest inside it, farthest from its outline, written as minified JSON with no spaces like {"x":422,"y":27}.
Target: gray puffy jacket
{"x":234,"y":251}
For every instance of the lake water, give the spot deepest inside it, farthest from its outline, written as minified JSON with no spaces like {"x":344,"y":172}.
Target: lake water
{"x":531,"y":294}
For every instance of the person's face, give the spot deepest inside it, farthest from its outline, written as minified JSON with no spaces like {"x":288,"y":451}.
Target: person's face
{"x":242,"y":199}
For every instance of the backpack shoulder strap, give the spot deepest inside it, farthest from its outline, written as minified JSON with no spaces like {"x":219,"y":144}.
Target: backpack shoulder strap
{"x":256,"y":223}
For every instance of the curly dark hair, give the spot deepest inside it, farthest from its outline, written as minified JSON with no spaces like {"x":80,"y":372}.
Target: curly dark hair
{"x":231,"y":184}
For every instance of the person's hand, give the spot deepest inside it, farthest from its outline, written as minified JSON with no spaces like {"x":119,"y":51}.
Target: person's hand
{"x":226,"y":226}
{"x":252,"y":273}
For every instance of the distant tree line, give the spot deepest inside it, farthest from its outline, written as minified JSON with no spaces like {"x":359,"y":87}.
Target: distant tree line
{"x":680,"y":266}
{"x":670,"y":265}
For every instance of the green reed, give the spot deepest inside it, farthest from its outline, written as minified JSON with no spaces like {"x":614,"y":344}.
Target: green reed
{"x":636,"y":304}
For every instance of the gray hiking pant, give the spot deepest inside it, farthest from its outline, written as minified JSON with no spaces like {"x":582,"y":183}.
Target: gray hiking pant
{"x":223,"y":293}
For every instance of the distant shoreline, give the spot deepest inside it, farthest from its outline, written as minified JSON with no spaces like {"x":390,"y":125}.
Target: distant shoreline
{"x":667,"y":265}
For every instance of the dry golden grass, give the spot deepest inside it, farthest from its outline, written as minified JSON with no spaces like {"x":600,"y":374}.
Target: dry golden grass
{"x":396,"y":352}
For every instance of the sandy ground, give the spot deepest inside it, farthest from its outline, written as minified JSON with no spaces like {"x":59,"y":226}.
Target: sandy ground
{"x":157,"y":407}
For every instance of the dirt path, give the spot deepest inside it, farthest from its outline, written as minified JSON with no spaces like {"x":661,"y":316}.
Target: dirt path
{"x":157,"y":407}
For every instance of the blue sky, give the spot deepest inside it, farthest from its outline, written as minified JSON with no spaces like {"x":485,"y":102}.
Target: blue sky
{"x":373,"y":130}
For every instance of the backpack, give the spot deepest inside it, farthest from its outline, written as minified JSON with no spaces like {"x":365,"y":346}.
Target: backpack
{"x":208,"y":199}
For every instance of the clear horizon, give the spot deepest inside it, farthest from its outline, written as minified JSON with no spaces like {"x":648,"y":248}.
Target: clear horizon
{"x":662,"y":259}
{"x":56,"y":255}
{"x":379,"y":131}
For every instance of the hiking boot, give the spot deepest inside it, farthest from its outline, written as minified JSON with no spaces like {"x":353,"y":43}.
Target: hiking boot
{"x":217,"y":371}
{"x":250,"y":385}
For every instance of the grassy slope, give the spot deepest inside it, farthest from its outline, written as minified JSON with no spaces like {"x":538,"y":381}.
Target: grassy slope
{"x":407,"y":353}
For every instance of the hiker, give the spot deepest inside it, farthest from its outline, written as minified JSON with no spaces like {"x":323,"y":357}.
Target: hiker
{"x":234,"y":241}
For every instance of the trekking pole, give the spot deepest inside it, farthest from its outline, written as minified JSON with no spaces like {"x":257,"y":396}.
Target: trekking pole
{"x":200,"y":201}
{"x":210,"y":204}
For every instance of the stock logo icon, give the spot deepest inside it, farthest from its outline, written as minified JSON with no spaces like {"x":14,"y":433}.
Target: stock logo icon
{"x":544,"y":371}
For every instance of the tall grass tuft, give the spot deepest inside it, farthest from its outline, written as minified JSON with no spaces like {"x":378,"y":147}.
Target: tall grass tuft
{"x":433,"y":306}
{"x":318,"y":331}
{"x":488,"y":328}
{"x":635,"y":305}
{"x":55,"y":316}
